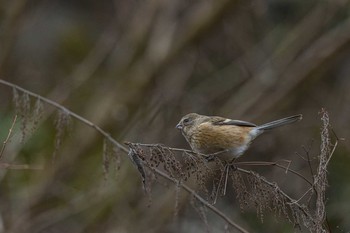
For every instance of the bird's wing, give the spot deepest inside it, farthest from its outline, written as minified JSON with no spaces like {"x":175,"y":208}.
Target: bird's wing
{"x":224,"y":121}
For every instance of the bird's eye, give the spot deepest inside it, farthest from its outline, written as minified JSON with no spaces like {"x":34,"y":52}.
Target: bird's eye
{"x":186,"y":120}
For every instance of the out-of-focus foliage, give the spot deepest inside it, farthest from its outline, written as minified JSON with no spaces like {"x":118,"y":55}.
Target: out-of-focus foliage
{"x":135,"y":68}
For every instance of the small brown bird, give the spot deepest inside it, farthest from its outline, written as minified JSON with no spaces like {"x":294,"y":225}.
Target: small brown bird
{"x":212,"y":134}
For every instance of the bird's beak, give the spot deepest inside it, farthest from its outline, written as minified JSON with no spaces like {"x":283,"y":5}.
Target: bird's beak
{"x":179,"y":126}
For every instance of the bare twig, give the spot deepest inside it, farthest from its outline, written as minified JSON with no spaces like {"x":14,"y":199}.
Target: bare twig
{"x":309,"y":163}
{"x":302,"y":196}
{"x":8,"y":137}
{"x":332,"y":152}
{"x":286,"y":168}
{"x":224,"y":175}
{"x":9,"y":165}
{"x":19,"y":166}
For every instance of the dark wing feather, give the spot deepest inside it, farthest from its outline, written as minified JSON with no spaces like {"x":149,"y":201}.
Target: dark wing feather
{"x":223,"y":121}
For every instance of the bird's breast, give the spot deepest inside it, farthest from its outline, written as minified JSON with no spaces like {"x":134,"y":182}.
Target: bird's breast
{"x":208,"y":138}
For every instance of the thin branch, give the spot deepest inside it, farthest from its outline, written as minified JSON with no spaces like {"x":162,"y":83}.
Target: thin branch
{"x":334,"y":146}
{"x":19,"y":166}
{"x":9,"y":165}
{"x":332,"y":152}
{"x":263,"y":163}
{"x":309,"y":163}
{"x":8,"y":137}
{"x":170,"y":148}
{"x":309,"y":190}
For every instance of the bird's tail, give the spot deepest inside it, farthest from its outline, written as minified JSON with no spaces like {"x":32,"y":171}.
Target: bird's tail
{"x":280,"y":122}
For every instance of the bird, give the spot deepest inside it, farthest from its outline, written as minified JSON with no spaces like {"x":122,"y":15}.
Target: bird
{"x":226,"y":138}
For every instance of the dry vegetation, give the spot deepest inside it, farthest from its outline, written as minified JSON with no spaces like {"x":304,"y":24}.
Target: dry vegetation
{"x":90,"y":93}
{"x":179,"y":165}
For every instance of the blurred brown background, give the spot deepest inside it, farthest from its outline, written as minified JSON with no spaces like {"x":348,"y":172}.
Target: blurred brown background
{"x":135,"y":68}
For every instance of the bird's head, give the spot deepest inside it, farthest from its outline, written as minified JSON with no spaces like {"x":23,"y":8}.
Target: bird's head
{"x":187,"y":122}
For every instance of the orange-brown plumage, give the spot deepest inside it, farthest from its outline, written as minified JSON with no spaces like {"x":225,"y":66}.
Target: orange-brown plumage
{"x":209,"y":135}
{"x":208,"y":138}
